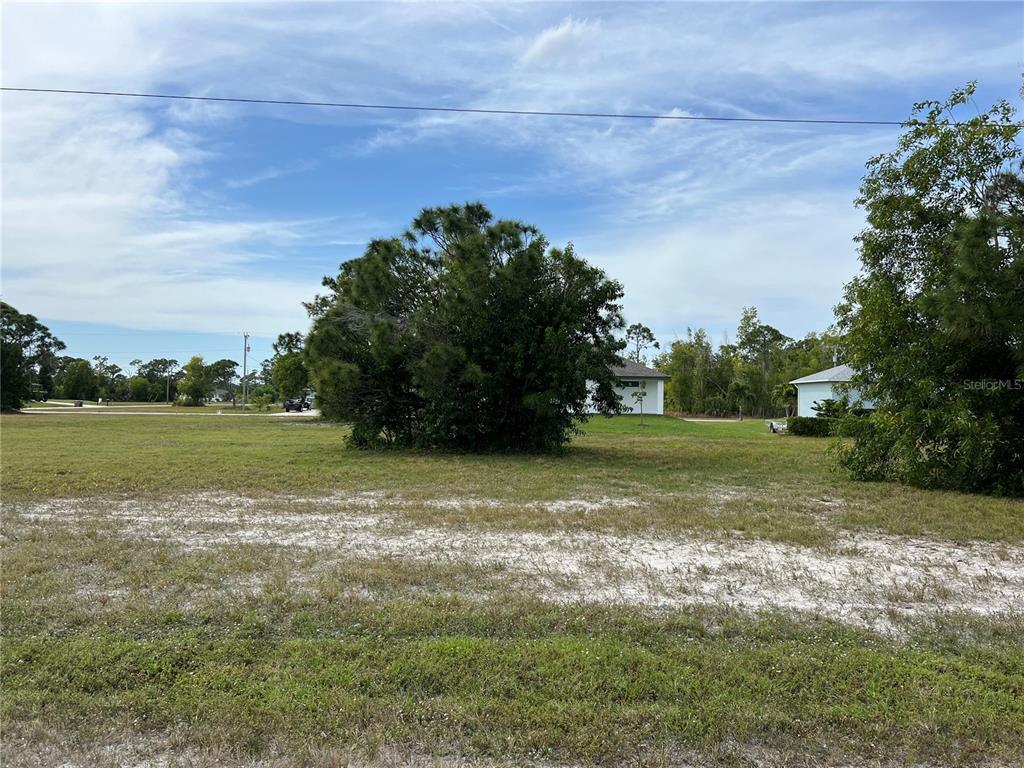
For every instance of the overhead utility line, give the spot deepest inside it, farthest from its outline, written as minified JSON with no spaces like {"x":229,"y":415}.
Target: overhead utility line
{"x":478,"y":111}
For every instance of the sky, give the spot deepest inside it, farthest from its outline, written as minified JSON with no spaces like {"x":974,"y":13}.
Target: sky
{"x":139,"y":228}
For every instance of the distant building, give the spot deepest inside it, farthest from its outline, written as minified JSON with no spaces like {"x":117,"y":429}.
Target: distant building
{"x":633,"y":376}
{"x":825,"y":385}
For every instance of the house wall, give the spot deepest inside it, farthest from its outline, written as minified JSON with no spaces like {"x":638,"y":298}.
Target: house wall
{"x":808,"y":395}
{"x":654,"y":403}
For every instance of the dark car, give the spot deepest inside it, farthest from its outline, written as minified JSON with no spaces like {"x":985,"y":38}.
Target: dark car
{"x":296,"y":404}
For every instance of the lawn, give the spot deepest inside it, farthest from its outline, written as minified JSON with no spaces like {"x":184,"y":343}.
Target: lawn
{"x":229,"y":589}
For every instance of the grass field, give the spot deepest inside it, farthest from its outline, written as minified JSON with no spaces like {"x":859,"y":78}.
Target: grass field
{"x":231,"y":590}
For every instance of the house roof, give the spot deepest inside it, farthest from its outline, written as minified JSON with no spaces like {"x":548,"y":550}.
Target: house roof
{"x":838,"y":374}
{"x":630,"y":369}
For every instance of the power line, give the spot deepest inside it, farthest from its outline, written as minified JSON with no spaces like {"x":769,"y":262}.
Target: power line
{"x":480,"y":111}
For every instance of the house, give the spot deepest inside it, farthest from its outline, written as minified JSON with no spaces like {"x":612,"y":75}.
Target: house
{"x":826,"y":385}
{"x":633,"y":376}
{"x":220,"y":395}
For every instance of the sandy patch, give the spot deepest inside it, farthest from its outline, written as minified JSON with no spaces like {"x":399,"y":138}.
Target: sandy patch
{"x":870,"y":580}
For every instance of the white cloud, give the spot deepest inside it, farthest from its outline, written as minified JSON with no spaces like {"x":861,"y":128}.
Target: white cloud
{"x":787,"y":256}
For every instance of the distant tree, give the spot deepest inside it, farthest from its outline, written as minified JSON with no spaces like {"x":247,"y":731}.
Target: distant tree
{"x":162,"y":374}
{"x":34,"y":363}
{"x":223,"y":374}
{"x":639,"y":338}
{"x":288,"y":373}
{"x":79,"y":381}
{"x":196,"y":383}
{"x":14,"y":381}
{"x":139,"y":389}
{"x":109,"y":378}
{"x":760,"y":365}
{"x":935,"y":323}
{"x":742,"y":396}
{"x":762,"y":350}
{"x":263,"y":376}
{"x":785,"y":396}
{"x":465,"y":333}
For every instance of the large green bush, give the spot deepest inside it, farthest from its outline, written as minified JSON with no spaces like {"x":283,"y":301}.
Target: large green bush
{"x":465,"y":333}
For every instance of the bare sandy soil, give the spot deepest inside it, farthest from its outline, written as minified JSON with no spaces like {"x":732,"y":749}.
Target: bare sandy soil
{"x":871,"y":580}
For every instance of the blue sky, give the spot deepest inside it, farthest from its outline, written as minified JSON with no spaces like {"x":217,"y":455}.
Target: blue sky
{"x":143,"y":229}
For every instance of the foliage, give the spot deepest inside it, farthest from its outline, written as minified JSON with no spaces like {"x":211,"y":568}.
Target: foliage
{"x":288,"y":373}
{"x":29,"y":356}
{"x":162,"y":374}
{"x":465,"y":333}
{"x":750,"y":377}
{"x":222,"y":375}
{"x":288,"y":343}
{"x":14,"y":381}
{"x":261,"y":402}
{"x":640,"y":337}
{"x":831,"y":409}
{"x":111,"y":383}
{"x":638,"y":398}
{"x":935,"y":323}
{"x":79,"y":381}
{"x":811,"y":426}
{"x":139,"y":389}
{"x":197,"y":383}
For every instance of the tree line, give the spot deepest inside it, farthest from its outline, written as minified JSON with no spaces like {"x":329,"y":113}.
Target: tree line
{"x":749,"y":377}
{"x":32,"y":368}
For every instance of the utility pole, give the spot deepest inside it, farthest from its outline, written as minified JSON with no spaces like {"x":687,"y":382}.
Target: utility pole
{"x":245,"y":369}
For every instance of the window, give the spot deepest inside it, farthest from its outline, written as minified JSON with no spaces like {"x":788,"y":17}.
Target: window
{"x":629,"y":383}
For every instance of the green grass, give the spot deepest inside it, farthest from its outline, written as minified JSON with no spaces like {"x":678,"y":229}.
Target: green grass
{"x":551,"y":687}
{"x":260,"y":647}
{"x":765,"y":485}
{"x":156,"y":643}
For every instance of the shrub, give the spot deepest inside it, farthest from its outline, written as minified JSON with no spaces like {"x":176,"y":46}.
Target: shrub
{"x":260,"y":402}
{"x":931,"y":449}
{"x":811,"y":426}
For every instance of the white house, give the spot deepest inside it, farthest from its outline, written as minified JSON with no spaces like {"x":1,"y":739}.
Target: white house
{"x":632,"y":377}
{"x":824,"y":385}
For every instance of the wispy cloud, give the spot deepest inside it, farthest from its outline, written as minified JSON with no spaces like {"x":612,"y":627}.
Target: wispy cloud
{"x":268,"y":174}
{"x":112,"y":214}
